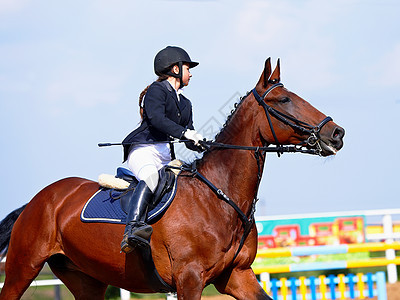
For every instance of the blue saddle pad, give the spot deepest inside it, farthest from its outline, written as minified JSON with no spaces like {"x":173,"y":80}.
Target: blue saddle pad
{"x":102,"y":208}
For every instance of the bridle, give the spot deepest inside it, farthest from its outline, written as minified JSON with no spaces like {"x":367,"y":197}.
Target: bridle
{"x":259,"y":152}
{"x":313,"y":131}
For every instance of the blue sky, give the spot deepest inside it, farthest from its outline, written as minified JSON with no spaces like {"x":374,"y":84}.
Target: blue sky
{"x":71,"y":73}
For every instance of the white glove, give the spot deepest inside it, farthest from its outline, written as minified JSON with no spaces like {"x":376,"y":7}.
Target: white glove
{"x":194,"y":136}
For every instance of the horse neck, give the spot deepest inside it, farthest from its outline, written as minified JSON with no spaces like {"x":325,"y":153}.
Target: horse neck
{"x":235,"y":172}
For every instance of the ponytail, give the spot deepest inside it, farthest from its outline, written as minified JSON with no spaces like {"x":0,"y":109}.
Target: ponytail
{"x":143,"y":93}
{"x":141,"y":96}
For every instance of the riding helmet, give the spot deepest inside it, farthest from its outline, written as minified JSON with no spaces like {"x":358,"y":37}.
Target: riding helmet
{"x":170,"y":56}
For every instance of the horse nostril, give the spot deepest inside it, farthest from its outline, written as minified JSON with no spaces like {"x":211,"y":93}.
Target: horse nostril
{"x":337,"y":137}
{"x":338,"y":133}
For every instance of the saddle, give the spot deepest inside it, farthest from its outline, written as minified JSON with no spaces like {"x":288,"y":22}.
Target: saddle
{"x":109,"y":203}
{"x":105,"y":207}
{"x":165,"y":184}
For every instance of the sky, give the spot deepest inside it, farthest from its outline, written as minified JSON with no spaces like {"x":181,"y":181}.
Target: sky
{"x":71,"y":73}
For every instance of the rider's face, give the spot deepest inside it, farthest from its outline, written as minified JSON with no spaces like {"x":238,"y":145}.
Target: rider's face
{"x":186,"y":74}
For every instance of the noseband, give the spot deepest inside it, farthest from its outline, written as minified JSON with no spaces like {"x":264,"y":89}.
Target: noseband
{"x":305,"y":128}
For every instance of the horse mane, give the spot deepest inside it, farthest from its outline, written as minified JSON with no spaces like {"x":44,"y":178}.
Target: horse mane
{"x":236,"y":106}
{"x":228,"y":119}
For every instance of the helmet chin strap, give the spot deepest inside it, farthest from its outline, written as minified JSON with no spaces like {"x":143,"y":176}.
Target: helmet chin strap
{"x":180,"y":65}
{"x":179,"y":75}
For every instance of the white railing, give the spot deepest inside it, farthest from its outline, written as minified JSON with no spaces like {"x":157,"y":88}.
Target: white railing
{"x":125,"y":295}
{"x":43,"y":282}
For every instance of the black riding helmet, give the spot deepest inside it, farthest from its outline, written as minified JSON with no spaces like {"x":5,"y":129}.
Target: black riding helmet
{"x":169,"y":57}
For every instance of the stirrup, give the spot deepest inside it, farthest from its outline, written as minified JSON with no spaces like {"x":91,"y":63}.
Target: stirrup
{"x":136,"y":235}
{"x":125,"y":246}
{"x":129,"y":244}
{"x":137,"y":241}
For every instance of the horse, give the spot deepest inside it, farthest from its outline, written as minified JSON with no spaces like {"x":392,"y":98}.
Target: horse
{"x":196,"y":242}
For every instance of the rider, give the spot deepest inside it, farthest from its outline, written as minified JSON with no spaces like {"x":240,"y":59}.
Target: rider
{"x":166,"y":114}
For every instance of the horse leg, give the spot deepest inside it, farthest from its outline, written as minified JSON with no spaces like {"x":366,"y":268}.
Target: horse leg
{"x":81,"y":285}
{"x":189,"y":282}
{"x":20,"y":273}
{"x":241,"y":284}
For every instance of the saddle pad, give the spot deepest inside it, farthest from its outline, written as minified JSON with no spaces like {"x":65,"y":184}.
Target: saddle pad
{"x":102,"y":208}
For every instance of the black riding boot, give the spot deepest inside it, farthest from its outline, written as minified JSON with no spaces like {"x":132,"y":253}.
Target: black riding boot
{"x":137,"y":232}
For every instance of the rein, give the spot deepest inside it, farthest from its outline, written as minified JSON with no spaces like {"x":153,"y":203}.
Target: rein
{"x":278,"y":149}
{"x":259,"y":153}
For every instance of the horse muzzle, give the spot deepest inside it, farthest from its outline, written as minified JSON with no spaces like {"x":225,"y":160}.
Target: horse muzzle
{"x":332,"y":143}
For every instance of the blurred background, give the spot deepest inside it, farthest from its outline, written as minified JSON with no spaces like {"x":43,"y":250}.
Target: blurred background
{"x":71,"y":73}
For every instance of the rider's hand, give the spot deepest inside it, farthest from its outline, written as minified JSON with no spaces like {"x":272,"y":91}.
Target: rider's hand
{"x":193,"y":136}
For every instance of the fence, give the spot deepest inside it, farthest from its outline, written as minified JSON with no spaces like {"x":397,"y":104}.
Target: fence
{"x":125,"y":295}
{"x":44,"y":282}
{"x":332,"y":287}
{"x":360,"y":285}
{"x":308,"y":286}
{"x":388,"y":235}
{"x":48,"y":282}
{"x":329,"y":249}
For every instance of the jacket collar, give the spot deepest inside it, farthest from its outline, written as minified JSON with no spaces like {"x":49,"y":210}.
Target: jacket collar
{"x":167,"y":85}
{"x":180,"y":104}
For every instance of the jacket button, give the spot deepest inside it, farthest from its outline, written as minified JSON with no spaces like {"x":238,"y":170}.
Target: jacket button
{"x":179,"y":114}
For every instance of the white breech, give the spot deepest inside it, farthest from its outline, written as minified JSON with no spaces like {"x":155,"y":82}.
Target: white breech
{"x":145,"y":160}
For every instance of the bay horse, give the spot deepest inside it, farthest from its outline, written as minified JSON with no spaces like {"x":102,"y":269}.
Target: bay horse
{"x":195,"y":243}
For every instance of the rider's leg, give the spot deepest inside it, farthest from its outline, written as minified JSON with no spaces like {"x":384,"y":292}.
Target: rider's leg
{"x":137,"y":231}
{"x":144,"y":163}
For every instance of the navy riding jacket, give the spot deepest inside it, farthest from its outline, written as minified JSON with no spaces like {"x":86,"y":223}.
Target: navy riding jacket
{"x":164,"y":117}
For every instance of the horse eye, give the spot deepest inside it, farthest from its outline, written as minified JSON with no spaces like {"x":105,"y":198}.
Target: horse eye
{"x":285,"y":100}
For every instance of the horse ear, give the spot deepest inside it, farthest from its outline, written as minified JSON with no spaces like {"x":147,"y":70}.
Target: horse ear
{"x":266,"y":73}
{"x":276,"y":75}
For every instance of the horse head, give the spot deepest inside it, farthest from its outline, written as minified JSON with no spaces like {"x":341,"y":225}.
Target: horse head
{"x":289,"y":119}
